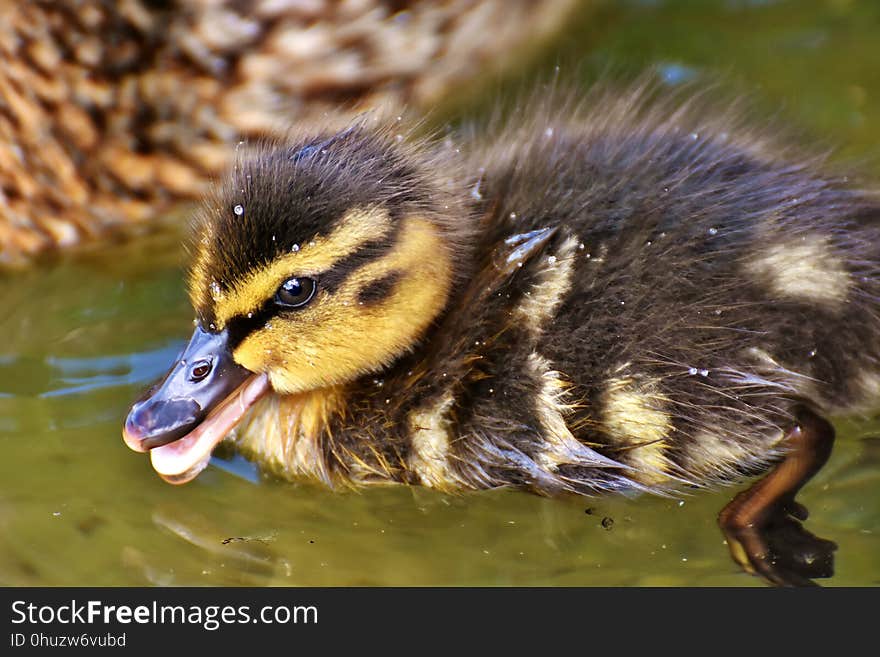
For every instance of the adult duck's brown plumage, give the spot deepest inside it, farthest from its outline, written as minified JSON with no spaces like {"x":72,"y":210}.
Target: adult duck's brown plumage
{"x":618,"y":294}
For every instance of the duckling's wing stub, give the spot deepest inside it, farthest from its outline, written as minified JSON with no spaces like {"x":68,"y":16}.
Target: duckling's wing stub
{"x":520,"y":248}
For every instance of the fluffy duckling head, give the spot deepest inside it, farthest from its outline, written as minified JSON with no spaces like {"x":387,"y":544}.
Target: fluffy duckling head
{"x":311,"y":265}
{"x":325,"y":260}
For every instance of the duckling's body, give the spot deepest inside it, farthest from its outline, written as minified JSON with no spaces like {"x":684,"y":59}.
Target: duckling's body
{"x":622,"y":298}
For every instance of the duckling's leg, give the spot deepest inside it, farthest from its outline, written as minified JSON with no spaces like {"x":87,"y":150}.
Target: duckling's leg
{"x":762,"y":525}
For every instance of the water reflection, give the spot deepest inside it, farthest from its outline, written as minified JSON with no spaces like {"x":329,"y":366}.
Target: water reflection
{"x":52,"y":376}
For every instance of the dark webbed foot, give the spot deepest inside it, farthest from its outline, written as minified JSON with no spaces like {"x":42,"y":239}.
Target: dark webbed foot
{"x":780,"y":550}
{"x":762,"y":525}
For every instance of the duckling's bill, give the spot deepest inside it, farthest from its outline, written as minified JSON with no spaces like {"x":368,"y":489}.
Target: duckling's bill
{"x":193,"y":408}
{"x":182,"y":460}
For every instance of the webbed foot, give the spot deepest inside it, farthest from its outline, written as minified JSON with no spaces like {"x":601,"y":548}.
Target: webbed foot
{"x":763,"y":525}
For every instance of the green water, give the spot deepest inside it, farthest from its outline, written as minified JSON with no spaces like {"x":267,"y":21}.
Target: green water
{"x":81,"y":337}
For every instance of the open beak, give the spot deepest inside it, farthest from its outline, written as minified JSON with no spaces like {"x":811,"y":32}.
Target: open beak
{"x":182,"y":418}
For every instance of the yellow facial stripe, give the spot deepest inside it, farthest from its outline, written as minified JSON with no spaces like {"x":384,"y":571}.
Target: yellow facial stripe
{"x":337,"y":338}
{"x":355,"y":229}
{"x":413,"y":256}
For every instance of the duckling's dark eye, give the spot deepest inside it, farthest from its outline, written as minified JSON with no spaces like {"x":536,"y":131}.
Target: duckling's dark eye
{"x":295,"y":292}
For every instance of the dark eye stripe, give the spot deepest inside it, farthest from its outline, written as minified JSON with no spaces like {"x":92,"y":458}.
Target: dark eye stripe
{"x":332,"y":278}
{"x":377,"y":291}
{"x":240,"y":326}
{"x":329,"y":281}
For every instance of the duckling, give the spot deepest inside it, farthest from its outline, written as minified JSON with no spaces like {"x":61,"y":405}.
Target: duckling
{"x":620,"y":294}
